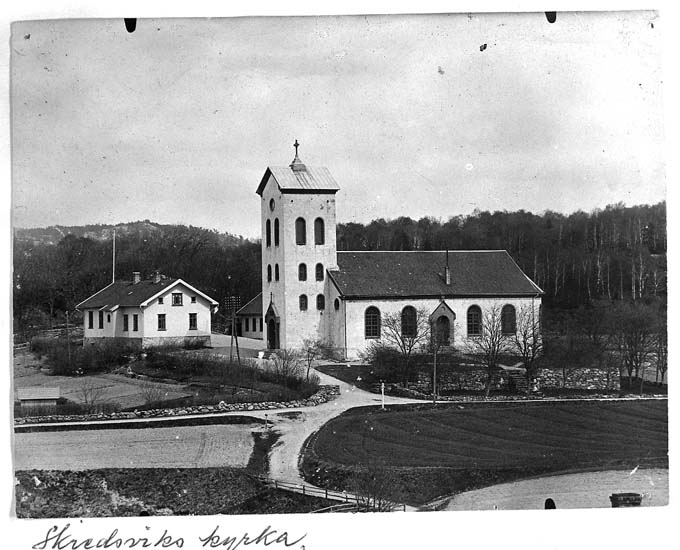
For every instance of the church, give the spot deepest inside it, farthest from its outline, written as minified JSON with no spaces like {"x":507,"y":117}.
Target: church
{"x":312,"y":291}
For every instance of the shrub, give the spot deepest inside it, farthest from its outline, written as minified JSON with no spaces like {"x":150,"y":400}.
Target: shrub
{"x":70,"y":358}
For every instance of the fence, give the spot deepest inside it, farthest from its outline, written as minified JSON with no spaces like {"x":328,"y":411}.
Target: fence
{"x":328,"y":494}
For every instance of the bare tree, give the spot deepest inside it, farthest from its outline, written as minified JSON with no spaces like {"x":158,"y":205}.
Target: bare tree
{"x":406,"y":334}
{"x":151,"y":392}
{"x":91,"y":395}
{"x":661,"y":354}
{"x":491,"y":343}
{"x":286,"y":364}
{"x":636,"y":332}
{"x":311,"y":349}
{"x":527,"y":341}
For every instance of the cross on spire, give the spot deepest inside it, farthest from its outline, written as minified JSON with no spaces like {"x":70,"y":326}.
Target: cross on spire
{"x":296,"y":145}
{"x":297,"y":165}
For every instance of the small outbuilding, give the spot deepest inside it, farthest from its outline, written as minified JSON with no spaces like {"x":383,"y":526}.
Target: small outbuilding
{"x":35,"y":397}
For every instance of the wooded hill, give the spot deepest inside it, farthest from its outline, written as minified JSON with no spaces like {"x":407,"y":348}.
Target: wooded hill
{"x":616,"y":253}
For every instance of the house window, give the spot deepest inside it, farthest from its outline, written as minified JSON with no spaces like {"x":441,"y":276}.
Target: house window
{"x":319,"y":272}
{"x":408,"y":322}
{"x":508,"y":320}
{"x":300,"y":231}
{"x":269,"y":233}
{"x":302,"y":272}
{"x":474,"y":321}
{"x":126,"y":322}
{"x":108,"y":317}
{"x":193,"y":321}
{"x":372,"y":322}
{"x":319,"y":234}
{"x":320,"y":302}
{"x":269,"y":273}
{"x":161,"y":321}
{"x":135,"y":322}
{"x":336,"y":304}
{"x":303,"y":302}
{"x":160,"y":300}
{"x":90,"y":319}
{"x":247,"y":325}
{"x":176,"y":298}
{"x":276,"y":272}
{"x":261,"y":328}
{"x":101,"y":319}
{"x":276,"y":232}
{"x":193,"y":299}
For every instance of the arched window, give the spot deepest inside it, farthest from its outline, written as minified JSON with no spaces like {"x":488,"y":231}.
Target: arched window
{"x":302,"y":272}
{"x":303,"y":302}
{"x":269,"y":233}
{"x":408,"y":322}
{"x":319,"y":233}
{"x":276,"y":232}
{"x":319,"y":272}
{"x":336,"y":304}
{"x":320,"y":302}
{"x":300,"y":231}
{"x":269,"y":273}
{"x":276,"y":272}
{"x":372,"y":322}
{"x":474,"y":321}
{"x":508,"y":320}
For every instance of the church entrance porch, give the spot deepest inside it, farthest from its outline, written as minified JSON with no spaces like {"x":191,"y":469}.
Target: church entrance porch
{"x":272,"y":334}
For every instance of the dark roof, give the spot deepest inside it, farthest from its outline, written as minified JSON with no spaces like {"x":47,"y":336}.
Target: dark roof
{"x":397,"y":274}
{"x":125,"y":293}
{"x":254,"y":307}
{"x":309,"y":179}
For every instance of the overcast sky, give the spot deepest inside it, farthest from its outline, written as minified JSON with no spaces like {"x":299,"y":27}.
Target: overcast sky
{"x":413,"y":115}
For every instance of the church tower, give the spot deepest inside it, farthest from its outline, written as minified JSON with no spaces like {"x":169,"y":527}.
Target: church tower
{"x":298,"y":247}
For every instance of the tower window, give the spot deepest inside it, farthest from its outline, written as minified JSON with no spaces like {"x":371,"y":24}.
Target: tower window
{"x":276,"y":232}
{"x":303,"y":302}
{"x":320,"y":302}
{"x":319,"y":233}
{"x":276,"y":272}
{"x":268,"y":233}
{"x":300,"y":231}
{"x":319,"y":272}
{"x":269,"y":273}
{"x":302,"y":272}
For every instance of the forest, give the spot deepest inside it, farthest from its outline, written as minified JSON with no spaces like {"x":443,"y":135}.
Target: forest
{"x":617,"y":253}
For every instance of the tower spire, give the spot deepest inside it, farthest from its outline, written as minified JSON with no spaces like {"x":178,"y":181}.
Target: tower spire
{"x":297,"y":165}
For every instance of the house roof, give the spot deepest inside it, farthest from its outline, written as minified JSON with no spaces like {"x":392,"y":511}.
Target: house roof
{"x":37,"y":392}
{"x":306,"y":179}
{"x":421,"y":274}
{"x":128,"y":294}
{"x":254,"y":307}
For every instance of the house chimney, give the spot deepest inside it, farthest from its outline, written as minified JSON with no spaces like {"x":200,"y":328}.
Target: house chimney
{"x":136,"y":277}
{"x":156,"y":277}
{"x":447,"y":271}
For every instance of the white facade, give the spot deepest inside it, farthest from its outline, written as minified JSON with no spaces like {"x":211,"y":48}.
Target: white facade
{"x":176,"y":314}
{"x":340,"y":319}
{"x":295,"y":325}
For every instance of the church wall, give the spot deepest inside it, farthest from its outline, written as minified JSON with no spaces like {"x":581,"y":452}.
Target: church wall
{"x":356,"y":342}
{"x":313,"y":322}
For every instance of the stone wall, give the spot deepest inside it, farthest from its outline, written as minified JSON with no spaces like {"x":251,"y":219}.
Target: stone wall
{"x":473,"y":378}
{"x":325,"y":394}
{"x":582,"y":378}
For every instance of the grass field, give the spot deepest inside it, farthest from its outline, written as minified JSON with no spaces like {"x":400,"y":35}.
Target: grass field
{"x":435,"y":451}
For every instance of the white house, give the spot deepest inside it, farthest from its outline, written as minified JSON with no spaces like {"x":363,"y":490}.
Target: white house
{"x":150,"y":312}
{"x":309,"y":290}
